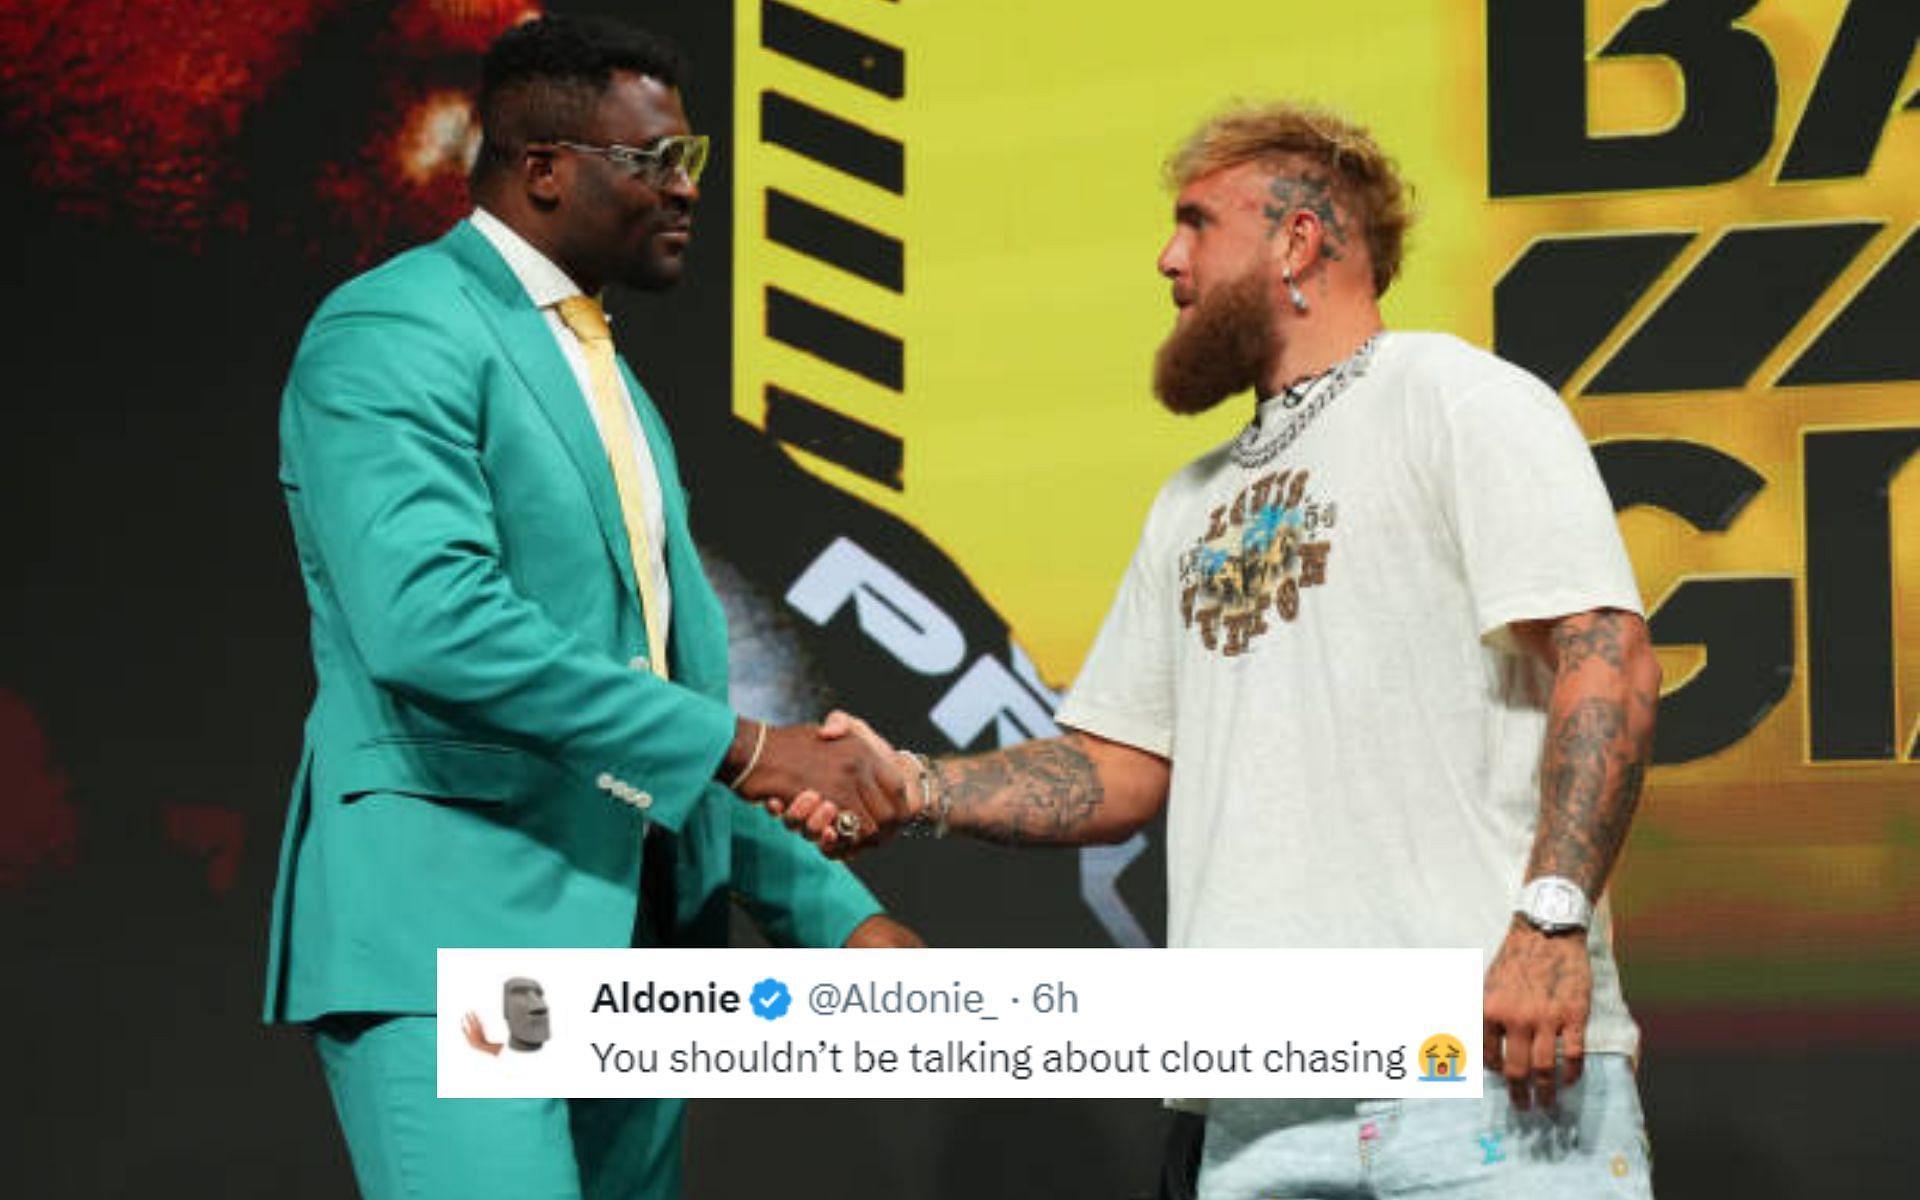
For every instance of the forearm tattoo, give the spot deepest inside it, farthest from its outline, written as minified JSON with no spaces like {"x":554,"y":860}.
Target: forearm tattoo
{"x":1045,"y":791}
{"x":1314,"y":195}
{"x":1599,"y":737}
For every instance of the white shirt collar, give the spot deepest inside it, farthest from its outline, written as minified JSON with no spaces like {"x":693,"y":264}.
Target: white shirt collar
{"x":546,"y":284}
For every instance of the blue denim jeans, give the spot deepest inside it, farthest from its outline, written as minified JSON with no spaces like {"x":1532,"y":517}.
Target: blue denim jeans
{"x":1593,"y":1143}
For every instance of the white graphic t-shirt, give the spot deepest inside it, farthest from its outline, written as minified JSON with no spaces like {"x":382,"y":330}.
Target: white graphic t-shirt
{"x":1319,"y":644}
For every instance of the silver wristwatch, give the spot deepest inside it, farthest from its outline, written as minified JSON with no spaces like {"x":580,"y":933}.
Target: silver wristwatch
{"x":1553,"y":904}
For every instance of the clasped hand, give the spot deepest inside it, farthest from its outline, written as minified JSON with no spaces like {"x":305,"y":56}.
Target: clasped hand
{"x":839,"y":783}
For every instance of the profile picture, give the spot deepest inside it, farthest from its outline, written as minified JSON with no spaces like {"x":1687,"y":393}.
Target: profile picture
{"x":524,"y":1015}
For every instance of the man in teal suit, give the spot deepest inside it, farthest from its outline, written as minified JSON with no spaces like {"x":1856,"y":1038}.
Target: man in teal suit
{"x":522,"y":719}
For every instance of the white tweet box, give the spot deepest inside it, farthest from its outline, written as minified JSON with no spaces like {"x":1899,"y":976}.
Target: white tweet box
{"x":926,"y":1024}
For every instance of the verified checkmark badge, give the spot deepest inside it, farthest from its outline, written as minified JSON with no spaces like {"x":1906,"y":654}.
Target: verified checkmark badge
{"x":770,"y":999}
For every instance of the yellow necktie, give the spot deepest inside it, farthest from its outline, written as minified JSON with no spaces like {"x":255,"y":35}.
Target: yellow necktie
{"x":588,"y":321}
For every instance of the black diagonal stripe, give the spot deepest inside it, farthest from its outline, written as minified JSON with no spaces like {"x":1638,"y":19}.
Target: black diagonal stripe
{"x":844,"y":342}
{"x":833,"y":239}
{"x":827,"y":139}
{"x":835,"y":49}
{"x":1840,"y":127}
{"x":855,"y":445}
{"x":1729,"y":313}
{"x":1872,"y":339}
{"x":1563,"y":296}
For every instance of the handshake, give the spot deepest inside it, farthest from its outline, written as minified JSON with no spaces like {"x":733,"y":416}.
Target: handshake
{"x":839,"y":783}
{"x":842,"y":786}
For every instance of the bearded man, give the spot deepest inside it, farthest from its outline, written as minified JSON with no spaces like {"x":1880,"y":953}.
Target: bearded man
{"x":1382,"y":658}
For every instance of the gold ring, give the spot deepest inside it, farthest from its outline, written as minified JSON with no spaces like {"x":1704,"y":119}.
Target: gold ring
{"x":847,"y":825}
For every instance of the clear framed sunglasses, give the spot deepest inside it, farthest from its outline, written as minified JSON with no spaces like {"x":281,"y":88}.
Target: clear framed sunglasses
{"x":656,"y":165}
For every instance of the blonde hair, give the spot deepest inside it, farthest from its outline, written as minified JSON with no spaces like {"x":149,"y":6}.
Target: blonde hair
{"x":1365,"y":182}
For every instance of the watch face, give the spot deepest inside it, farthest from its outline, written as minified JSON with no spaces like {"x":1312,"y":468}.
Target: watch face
{"x":1557,"y":906}
{"x":1553,"y":905}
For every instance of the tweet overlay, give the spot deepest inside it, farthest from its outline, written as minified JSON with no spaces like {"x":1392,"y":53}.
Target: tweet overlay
{"x":925,"y":1024}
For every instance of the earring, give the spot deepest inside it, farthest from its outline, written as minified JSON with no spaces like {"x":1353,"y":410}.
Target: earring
{"x":1294,"y":293}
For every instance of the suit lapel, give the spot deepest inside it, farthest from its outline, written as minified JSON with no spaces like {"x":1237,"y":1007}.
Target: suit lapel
{"x":527,"y":342}
{"x":699,"y":657}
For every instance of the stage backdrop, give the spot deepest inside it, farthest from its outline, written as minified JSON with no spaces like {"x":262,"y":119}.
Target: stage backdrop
{"x":907,"y":375}
{"x":1697,"y":220}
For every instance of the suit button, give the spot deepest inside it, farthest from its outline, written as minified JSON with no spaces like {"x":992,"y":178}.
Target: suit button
{"x":605,"y":782}
{"x":642,"y":800}
{"x":640,"y":663}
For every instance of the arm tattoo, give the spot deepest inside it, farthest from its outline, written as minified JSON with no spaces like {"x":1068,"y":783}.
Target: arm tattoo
{"x":1599,"y":738}
{"x":1574,"y":782}
{"x":1591,"y":635}
{"x":1044,"y":791}
{"x":1316,"y":197}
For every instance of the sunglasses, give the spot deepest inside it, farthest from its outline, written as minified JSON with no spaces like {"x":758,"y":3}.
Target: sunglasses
{"x":656,"y":165}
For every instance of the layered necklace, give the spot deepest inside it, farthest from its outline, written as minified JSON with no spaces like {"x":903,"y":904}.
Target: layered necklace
{"x":1304,"y":399}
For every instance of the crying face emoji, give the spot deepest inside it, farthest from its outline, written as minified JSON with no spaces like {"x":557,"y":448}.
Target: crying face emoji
{"x":1442,"y":1059}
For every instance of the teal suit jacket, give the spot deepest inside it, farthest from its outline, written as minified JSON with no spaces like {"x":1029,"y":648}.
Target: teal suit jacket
{"x":475,"y":634}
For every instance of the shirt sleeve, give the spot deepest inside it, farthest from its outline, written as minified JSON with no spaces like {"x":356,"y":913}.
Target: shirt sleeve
{"x":1125,"y":690}
{"x":1519,"y":486}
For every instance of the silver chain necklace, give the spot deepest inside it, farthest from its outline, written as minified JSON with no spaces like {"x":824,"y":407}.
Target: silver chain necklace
{"x":1250,"y":452}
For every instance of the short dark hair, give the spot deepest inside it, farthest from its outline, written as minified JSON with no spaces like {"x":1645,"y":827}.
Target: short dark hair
{"x":543,"y":78}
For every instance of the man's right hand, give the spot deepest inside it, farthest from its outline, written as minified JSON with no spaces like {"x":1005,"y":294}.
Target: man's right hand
{"x":845,"y":774}
{"x":476,"y":1034}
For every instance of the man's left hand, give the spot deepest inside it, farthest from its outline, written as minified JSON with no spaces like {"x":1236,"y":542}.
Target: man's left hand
{"x":1538,"y":992}
{"x":881,"y":932}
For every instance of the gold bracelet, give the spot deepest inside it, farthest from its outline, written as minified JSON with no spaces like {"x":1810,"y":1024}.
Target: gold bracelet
{"x":753,"y":760}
